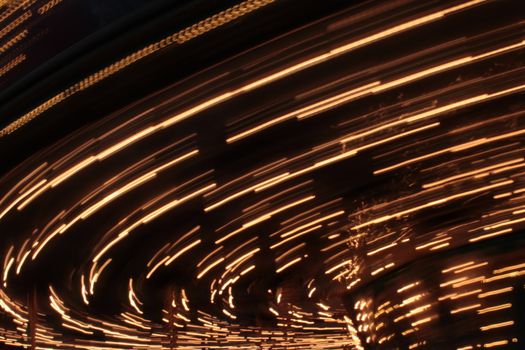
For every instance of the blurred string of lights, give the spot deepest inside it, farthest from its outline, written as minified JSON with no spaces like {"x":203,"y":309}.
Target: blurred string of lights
{"x":179,"y":37}
{"x":266,"y":252}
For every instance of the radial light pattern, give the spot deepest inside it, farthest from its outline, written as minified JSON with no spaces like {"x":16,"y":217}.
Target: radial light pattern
{"x":357,"y":183}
